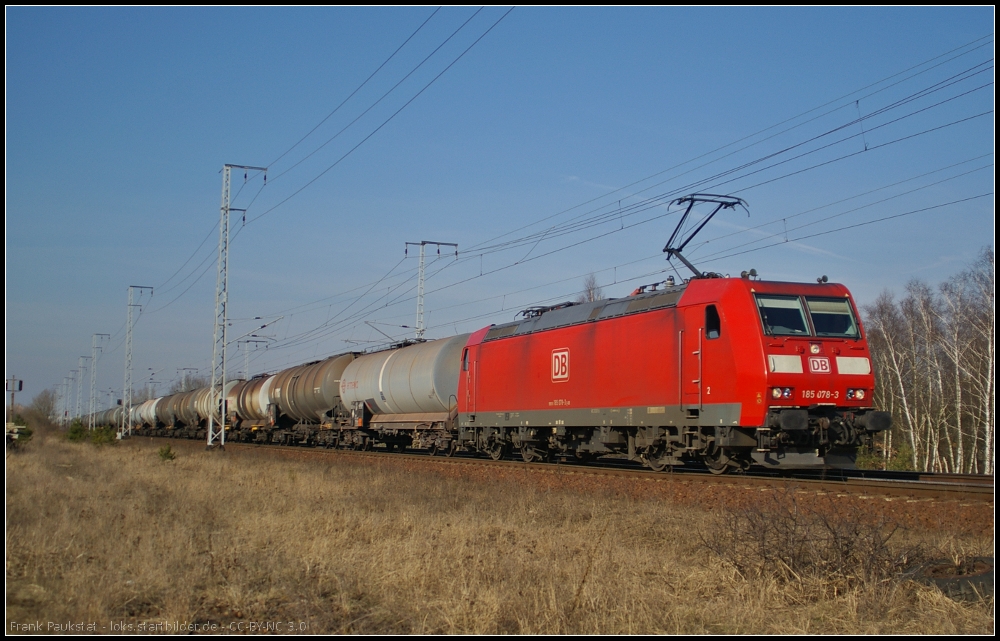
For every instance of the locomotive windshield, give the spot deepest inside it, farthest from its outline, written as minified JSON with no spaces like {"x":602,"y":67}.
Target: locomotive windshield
{"x":785,"y":316}
{"x":832,"y":317}
{"x":782,"y":315}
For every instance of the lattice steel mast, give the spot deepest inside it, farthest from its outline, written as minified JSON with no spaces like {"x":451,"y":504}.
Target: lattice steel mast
{"x":420,"y":280}
{"x":95,"y":350}
{"x":82,"y":370}
{"x":64,"y":414}
{"x":126,"y":426}
{"x":217,"y":420}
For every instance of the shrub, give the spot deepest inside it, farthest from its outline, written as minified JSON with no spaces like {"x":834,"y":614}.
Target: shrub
{"x":779,"y":536}
{"x":77,"y":431}
{"x":869,"y":459}
{"x":104,"y":436}
{"x":166,"y":454}
{"x":902,"y":459}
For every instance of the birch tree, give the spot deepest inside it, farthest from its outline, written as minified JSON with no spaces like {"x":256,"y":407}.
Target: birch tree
{"x":934,"y":355}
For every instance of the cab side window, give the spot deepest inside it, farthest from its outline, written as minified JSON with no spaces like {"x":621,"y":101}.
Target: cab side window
{"x":465,"y":361}
{"x":713,"y":325}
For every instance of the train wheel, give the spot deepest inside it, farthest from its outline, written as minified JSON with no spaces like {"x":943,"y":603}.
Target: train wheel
{"x":657,"y":466}
{"x":530,"y":454}
{"x":496,"y":449}
{"x":447,"y":449}
{"x":716,"y":461}
{"x":656,"y":459}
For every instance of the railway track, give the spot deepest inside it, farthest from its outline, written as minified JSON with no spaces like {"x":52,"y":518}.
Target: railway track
{"x":863,"y":484}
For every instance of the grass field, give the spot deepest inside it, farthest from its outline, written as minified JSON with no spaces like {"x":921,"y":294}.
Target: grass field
{"x":116,"y":535}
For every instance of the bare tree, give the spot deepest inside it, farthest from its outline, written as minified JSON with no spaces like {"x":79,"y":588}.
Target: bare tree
{"x":188,"y":384}
{"x":977,"y":285}
{"x":140,"y":395}
{"x":44,"y":403}
{"x":591,"y":290}
{"x":934,"y":354}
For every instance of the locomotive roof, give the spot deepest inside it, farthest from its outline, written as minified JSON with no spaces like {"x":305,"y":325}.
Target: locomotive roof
{"x":574,"y":313}
{"x":543,"y":318}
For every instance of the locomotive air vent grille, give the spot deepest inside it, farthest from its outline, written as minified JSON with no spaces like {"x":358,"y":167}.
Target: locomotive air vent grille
{"x":639,"y":305}
{"x":665,"y":299}
{"x":500,"y":332}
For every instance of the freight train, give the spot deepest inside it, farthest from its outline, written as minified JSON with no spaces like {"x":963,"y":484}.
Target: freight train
{"x":726,"y":372}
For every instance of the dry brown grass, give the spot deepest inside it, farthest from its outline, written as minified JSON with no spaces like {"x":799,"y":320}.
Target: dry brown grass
{"x":117,"y":534}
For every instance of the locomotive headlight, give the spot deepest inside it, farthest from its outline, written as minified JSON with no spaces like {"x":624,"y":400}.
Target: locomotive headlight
{"x":814,"y":348}
{"x":856,"y":394}
{"x":775,"y":392}
{"x":787,"y":392}
{"x":781,"y":392}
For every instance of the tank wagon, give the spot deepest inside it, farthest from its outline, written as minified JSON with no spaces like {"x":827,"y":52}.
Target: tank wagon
{"x":731,"y":372}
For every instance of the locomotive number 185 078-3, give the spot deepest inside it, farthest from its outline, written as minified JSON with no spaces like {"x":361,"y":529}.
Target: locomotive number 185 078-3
{"x":820,"y":393}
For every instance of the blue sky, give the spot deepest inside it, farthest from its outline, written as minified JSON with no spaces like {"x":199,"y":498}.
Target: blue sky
{"x":580,"y":123}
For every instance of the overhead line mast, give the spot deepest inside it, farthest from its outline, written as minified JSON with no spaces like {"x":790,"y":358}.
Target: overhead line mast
{"x":217,"y":419}
{"x":64,"y":390}
{"x":82,"y":369}
{"x":95,"y":350}
{"x":420,"y":280}
{"x":126,"y":427}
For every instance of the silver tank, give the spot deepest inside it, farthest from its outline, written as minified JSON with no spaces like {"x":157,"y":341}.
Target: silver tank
{"x":415,"y":379}
{"x":147,"y":412}
{"x":104,"y":418}
{"x":166,"y":409}
{"x":252,"y":398}
{"x":232,"y":392}
{"x":201,"y":401}
{"x":307,"y":392}
{"x":187,"y":409}
{"x":233,"y":397}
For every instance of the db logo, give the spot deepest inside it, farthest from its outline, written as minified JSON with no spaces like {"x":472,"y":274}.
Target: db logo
{"x":819,"y":365}
{"x":560,"y":365}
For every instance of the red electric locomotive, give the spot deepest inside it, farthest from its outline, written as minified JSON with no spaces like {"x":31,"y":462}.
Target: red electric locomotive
{"x":730,"y":371}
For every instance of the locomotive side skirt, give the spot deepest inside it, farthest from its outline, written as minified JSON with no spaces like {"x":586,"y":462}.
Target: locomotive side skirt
{"x":727,"y":414}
